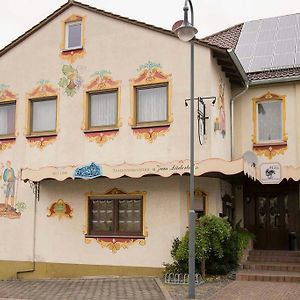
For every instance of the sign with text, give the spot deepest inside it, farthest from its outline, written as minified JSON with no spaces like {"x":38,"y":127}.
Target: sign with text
{"x":270,"y":173}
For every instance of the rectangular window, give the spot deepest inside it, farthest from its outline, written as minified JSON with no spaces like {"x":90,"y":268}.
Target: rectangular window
{"x":116,"y":216}
{"x":151,"y":104}
{"x":7,"y":119}
{"x":43,"y":115}
{"x":73,"y":35}
{"x":269,"y":121}
{"x":103,"y":109}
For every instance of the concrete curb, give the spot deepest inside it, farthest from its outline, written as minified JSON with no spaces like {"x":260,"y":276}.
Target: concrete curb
{"x":163,"y":289}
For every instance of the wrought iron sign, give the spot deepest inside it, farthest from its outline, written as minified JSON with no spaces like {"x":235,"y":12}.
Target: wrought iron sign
{"x":201,"y":115}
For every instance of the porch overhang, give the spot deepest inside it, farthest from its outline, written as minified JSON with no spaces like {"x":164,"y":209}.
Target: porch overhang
{"x":97,"y":170}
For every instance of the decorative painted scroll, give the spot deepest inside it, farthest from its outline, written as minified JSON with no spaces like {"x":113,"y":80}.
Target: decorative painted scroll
{"x":41,"y":142}
{"x":150,"y":134}
{"x":102,"y":80}
{"x":71,"y":80}
{"x":72,"y":55}
{"x":60,"y":209}
{"x":11,"y":208}
{"x":6,"y":144}
{"x":270,"y":151}
{"x":43,"y":89}
{"x":88,"y":172}
{"x":219,"y":123}
{"x":6,"y":94}
{"x":115,"y":244}
{"x":101,"y":137}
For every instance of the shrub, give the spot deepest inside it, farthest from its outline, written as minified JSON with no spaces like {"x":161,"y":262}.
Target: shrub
{"x":216,"y":241}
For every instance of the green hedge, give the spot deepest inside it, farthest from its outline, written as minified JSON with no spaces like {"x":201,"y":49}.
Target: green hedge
{"x":216,"y":241}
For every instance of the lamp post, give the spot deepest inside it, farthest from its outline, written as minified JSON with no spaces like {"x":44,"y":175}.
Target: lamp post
{"x":186,"y":32}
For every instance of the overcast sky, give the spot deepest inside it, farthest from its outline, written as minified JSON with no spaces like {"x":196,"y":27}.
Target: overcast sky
{"x":211,"y":16}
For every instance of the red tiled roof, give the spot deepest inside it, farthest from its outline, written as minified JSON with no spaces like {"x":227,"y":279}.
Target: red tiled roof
{"x":274,"y":74}
{"x":226,"y":39}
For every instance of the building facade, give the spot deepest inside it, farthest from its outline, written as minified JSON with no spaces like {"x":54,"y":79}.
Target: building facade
{"x":94,"y":144}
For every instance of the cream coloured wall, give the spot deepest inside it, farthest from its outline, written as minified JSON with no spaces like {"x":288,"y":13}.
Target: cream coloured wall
{"x":121,"y":48}
{"x":244,"y":122}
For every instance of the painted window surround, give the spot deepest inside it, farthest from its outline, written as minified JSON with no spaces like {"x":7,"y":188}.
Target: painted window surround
{"x":265,"y":98}
{"x":115,"y":194}
{"x":13,"y":135}
{"x":98,"y":90}
{"x":157,"y":83}
{"x":74,"y":19}
{"x":29,"y":132}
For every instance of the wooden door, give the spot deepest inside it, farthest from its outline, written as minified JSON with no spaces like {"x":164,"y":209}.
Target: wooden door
{"x":271,"y":224}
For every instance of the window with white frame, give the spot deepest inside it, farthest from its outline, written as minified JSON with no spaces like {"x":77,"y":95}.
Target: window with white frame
{"x":7,"y":118}
{"x":269,"y":121}
{"x":151,"y":103}
{"x":103,"y":109}
{"x":43,"y":115}
{"x":73,"y":35}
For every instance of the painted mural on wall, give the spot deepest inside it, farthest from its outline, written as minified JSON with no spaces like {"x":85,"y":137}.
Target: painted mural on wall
{"x":219,"y":124}
{"x":60,"y":209}
{"x":71,"y":80}
{"x":10,"y":207}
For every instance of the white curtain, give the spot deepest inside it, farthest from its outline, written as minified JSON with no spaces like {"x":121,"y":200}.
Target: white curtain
{"x":269,"y":121}
{"x":152,"y":104}
{"x":7,"y":119}
{"x":44,"y":115}
{"x":74,"y":35}
{"x":103,"y":109}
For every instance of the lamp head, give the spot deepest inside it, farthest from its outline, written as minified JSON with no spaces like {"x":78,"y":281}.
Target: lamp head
{"x":186,"y":32}
{"x":184,"y":29}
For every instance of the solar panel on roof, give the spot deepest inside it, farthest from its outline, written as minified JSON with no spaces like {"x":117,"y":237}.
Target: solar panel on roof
{"x":272,"y":43}
{"x":297,"y":59}
{"x":287,"y":46}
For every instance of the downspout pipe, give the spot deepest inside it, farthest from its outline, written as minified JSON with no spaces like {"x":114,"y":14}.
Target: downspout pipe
{"x":33,"y":242}
{"x":246,"y":83}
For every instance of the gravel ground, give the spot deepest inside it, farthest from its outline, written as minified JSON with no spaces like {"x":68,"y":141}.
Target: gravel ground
{"x":203,"y":291}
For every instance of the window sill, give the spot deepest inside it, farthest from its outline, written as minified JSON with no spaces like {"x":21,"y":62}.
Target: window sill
{"x":150,"y":125}
{"x":116,"y":237}
{"x":7,"y":137}
{"x":96,"y":130}
{"x":72,"y":50}
{"x":41,"y":135}
{"x":271,"y":144}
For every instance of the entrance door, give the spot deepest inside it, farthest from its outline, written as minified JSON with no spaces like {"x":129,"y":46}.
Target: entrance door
{"x":271,"y":223}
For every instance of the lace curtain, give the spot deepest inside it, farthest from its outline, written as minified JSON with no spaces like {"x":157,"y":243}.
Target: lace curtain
{"x":7,"y":119}
{"x":43,"y":115}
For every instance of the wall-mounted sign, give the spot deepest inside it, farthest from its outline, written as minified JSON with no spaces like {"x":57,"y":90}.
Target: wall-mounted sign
{"x":270,"y":173}
{"x":60,"y":209}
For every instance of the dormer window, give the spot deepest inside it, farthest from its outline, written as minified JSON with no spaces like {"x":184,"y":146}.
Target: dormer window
{"x":73,"y":35}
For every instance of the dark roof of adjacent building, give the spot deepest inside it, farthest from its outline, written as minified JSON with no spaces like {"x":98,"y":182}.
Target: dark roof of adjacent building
{"x":268,"y":49}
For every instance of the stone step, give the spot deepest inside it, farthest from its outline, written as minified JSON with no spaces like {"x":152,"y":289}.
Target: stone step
{"x":272,"y":266}
{"x":262,"y":275}
{"x":271,"y":258}
{"x":274,"y":253}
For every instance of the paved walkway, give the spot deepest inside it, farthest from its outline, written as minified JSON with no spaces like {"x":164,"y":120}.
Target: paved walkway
{"x":83,"y":289}
{"x":144,"y":288}
{"x":255,"y":290}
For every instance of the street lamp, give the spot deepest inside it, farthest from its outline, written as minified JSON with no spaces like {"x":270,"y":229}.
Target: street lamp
{"x":186,"y":32}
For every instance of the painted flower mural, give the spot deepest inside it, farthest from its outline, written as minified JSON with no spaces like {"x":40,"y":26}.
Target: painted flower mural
{"x":71,"y":81}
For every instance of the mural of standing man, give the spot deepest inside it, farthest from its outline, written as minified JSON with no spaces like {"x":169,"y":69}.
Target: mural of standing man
{"x":9,"y":178}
